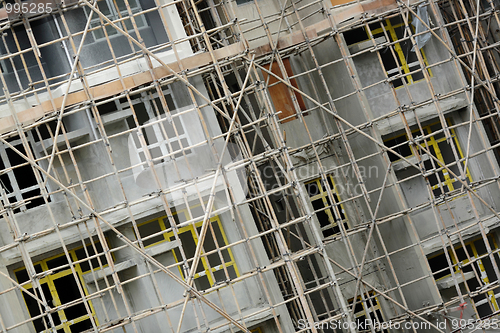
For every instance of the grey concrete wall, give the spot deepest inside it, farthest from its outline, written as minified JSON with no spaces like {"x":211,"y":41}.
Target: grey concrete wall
{"x":105,"y":193}
{"x":396,"y":234}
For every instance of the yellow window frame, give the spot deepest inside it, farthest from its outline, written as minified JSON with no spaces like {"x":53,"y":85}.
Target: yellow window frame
{"x":49,"y":280}
{"x":434,"y":143}
{"x":323,"y":195}
{"x":207,"y":269}
{"x":390,"y":28}
{"x":373,"y":305}
{"x":483,"y":274}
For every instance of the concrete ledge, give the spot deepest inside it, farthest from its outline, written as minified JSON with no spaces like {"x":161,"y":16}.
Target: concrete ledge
{"x":434,"y":245}
{"x":116,"y":116}
{"x":72,"y":137}
{"x":449,"y":281}
{"x":424,"y":113}
{"x":250,"y":320}
{"x":101,"y":274}
{"x":354,"y":48}
{"x":402,"y":164}
{"x":162,"y":248}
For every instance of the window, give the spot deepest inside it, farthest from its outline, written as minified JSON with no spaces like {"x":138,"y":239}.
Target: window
{"x":19,"y":183}
{"x":403,"y":57}
{"x":59,"y":288}
{"x":3,"y":63}
{"x":115,"y":10}
{"x":439,"y":148}
{"x":368,"y":311}
{"x":329,"y":216}
{"x":210,"y":270}
{"x":163,"y":130}
{"x":483,"y":267}
{"x":280,"y":94}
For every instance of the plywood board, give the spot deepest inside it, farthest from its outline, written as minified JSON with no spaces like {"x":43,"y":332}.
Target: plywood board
{"x":280,"y":93}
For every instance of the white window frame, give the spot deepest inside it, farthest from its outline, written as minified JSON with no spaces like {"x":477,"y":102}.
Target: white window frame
{"x":154,"y":131}
{"x":17,"y":192}
{"x":113,"y":16}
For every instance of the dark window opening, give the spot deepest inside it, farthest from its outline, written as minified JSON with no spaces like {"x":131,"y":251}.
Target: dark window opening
{"x":369,"y":307}
{"x":329,"y":215}
{"x":34,"y":310}
{"x":355,"y":36}
{"x":150,"y":229}
{"x":44,"y":130}
{"x":81,"y":326}
{"x":60,"y":287}
{"x":81,"y":255}
{"x":106,"y":108}
{"x":391,"y":66}
{"x":484,"y":273}
{"x":163,"y":132}
{"x":58,"y":264}
{"x":19,"y":183}
{"x":68,"y":291}
{"x":439,"y":266}
{"x":397,"y":57}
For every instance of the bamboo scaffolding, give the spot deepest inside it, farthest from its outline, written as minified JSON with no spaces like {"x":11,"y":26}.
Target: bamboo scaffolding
{"x":282,"y":252}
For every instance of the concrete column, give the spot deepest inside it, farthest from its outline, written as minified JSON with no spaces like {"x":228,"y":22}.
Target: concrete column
{"x":141,"y":293}
{"x":176,"y":28}
{"x":11,"y":309}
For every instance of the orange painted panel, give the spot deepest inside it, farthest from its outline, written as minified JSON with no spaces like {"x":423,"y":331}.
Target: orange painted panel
{"x":340,"y":2}
{"x":280,"y":94}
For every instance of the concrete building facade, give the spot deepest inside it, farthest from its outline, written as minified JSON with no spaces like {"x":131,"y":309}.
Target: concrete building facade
{"x":258,"y":166}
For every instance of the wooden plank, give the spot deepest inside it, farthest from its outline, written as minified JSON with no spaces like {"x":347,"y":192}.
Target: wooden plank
{"x":347,"y":14}
{"x":339,"y":2}
{"x":109,"y":89}
{"x":7,"y":124}
{"x":320,"y":26}
{"x":3,"y":14}
{"x":287,"y":41}
{"x":29,"y":116}
{"x":295,"y":38}
{"x":378,"y":6}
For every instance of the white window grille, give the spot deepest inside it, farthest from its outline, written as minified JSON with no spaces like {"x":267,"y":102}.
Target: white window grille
{"x":114,"y":10}
{"x":17,"y":177}
{"x":164,"y":132}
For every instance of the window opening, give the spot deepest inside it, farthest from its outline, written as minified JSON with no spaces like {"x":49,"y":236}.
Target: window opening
{"x":115,"y":12}
{"x":60,"y":288}
{"x":210,"y":270}
{"x":19,"y":183}
{"x":3,"y":63}
{"x":439,"y":148}
{"x":483,"y":267}
{"x":157,"y":125}
{"x":404,"y":58}
{"x":329,"y":216}
{"x":368,"y":309}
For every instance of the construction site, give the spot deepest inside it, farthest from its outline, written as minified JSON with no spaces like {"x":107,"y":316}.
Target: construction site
{"x":264,"y":166}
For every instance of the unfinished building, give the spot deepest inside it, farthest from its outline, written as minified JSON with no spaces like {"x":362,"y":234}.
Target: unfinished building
{"x":249,"y":165}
